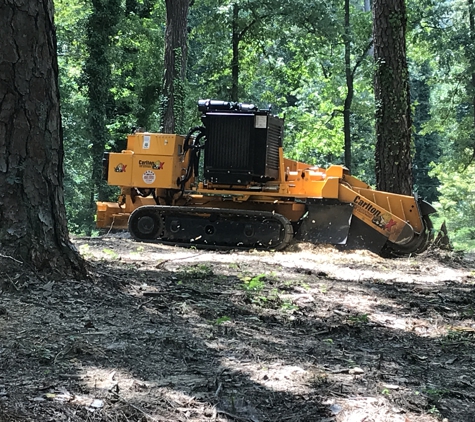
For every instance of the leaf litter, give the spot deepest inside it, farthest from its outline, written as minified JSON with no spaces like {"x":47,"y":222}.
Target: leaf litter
{"x":160,"y":333}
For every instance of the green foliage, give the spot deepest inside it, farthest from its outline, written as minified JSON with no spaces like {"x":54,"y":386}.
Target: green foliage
{"x":288,"y":306}
{"x":451,"y":119}
{"x":195,"y":272}
{"x":291,"y":57}
{"x":85,"y":250}
{"x":71,"y":20}
{"x":221,"y":320}
{"x":111,"y":253}
{"x":253,"y":284}
{"x":359,"y":319}
{"x":426,"y":145}
{"x":125,"y":79}
{"x":101,"y":27}
{"x":434,"y":411}
{"x":259,"y":294}
{"x":457,"y":202}
{"x":179,"y":93}
{"x":255,"y":290}
{"x":440,"y":47}
{"x":138,"y":70}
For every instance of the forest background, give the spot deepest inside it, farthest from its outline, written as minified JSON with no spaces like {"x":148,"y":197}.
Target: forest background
{"x":293,"y":55}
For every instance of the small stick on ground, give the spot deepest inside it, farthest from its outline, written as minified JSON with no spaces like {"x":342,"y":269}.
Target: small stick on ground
{"x":10,"y":257}
{"x":12,"y":283}
{"x":147,"y":415}
{"x":144,"y":303}
{"x":231,"y":415}
{"x":160,"y":265}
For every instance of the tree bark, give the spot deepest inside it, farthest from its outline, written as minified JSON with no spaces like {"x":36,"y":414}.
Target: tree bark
{"x":175,"y":65}
{"x":235,"y":60}
{"x":391,"y":87}
{"x":32,"y":213}
{"x":349,"y":86}
{"x":471,"y":18}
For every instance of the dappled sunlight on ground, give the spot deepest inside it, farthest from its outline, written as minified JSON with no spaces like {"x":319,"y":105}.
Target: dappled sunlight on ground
{"x":308,"y":334}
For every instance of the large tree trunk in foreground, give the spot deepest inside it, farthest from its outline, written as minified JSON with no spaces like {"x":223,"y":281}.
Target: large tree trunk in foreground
{"x":175,"y":65}
{"x":32,"y":213}
{"x":393,"y":114}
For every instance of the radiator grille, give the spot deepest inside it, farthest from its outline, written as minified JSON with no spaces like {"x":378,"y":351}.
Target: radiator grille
{"x":274,"y":141}
{"x":228,"y":142}
{"x":238,"y":152}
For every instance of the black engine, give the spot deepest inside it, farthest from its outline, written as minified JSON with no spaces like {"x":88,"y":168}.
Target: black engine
{"x":242,"y":143}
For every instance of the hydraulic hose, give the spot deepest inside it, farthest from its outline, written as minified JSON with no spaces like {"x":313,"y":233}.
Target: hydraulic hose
{"x":194,"y":149}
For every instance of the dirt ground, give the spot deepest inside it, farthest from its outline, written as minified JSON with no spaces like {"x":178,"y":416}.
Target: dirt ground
{"x":160,"y":333}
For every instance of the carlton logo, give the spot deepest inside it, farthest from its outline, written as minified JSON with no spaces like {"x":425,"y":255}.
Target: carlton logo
{"x":383,"y":221}
{"x":155,"y":165}
{"x":367,"y":206}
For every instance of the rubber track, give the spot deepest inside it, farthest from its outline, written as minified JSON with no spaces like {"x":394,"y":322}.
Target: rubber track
{"x":211,"y":228}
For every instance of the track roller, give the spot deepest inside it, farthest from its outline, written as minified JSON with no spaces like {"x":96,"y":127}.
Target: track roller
{"x":211,"y":227}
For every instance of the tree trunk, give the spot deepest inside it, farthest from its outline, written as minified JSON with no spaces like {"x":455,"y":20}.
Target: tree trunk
{"x":349,"y":86}
{"x":367,"y":8}
{"x":426,"y":145}
{"x":32,"y":212}
{"x":367,"y":5}
{"x":471,"y":18}
{"x":175,"y":65}
{"x":391,"y":87}
{"x":235,"y":59}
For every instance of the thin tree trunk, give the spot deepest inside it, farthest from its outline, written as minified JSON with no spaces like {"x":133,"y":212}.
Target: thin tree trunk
{"x":393,"y":114}
{"x":175,"y":64}
{"x":367,"y":5}
{"x":32,"y":213}
{"x":471,"y":14}
{"x":235,"y":59}
{"x":349,"y":87}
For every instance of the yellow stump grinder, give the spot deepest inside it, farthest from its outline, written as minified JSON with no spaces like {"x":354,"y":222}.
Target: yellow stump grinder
{"x":228,"y":184}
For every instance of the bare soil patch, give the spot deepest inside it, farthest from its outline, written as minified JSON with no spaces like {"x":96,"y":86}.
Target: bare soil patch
{"x":160,"y":333}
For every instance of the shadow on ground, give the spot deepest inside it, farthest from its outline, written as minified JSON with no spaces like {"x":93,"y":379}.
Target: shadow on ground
{"x":198,"y":336}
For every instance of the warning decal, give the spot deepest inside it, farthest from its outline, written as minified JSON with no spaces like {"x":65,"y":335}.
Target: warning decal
{"x":148,"y":177}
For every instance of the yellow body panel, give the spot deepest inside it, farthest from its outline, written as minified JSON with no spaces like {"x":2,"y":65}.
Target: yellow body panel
{"x":106,"y":212}
{"x":385,"y":220}
{"x":155,"y":143}
{"x":116,"y":215}
{"x":404,"y":206}
{"x":151,"y":161}
{"x":120,"y":169}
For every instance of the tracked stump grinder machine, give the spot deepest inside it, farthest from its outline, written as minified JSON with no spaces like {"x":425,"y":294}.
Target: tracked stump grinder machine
{"x":228,"y":184}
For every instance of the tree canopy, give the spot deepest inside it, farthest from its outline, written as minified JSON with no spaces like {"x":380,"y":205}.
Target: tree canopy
{"x":313,"y":62}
